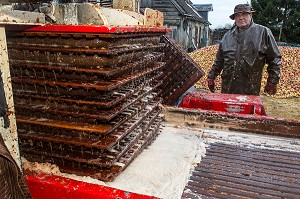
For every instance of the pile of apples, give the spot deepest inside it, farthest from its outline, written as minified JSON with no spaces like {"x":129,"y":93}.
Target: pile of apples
{"x":289,"y":85}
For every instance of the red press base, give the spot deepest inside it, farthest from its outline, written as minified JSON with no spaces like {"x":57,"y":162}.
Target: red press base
{"x":232,"y":103}
{"x":43,"y":186}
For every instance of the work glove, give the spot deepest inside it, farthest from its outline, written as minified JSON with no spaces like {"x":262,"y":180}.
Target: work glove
{"x":211,"y":85}
{"x":270,"y":88}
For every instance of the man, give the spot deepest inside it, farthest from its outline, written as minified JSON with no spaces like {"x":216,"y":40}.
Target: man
{"x":242,"y":55}
{"x":12,"y":181}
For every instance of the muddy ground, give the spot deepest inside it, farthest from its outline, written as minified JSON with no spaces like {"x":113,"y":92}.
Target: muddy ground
{"x":284,"y":108}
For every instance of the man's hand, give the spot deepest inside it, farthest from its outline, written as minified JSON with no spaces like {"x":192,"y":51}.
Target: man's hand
{"x":211,"y":85}
{"x":270,"y":88}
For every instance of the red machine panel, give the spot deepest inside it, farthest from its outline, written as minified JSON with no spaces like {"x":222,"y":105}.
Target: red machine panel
{"x":43,"y":186}
{"x":242,"y":104}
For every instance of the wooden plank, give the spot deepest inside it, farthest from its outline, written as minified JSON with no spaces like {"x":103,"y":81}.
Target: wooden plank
{"x":9,"y":134}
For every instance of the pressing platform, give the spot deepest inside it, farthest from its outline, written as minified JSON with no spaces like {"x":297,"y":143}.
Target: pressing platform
{"x":230,"y":171}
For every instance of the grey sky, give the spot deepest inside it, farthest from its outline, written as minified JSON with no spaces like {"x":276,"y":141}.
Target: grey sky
{"x":221,"y":11}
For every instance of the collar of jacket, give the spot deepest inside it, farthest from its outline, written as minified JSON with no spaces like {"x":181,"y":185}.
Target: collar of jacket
{"x":234,"y":29}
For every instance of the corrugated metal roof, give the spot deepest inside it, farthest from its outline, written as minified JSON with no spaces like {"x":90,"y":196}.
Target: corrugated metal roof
{"x":203,"y":7}
{"x":187,"y":9}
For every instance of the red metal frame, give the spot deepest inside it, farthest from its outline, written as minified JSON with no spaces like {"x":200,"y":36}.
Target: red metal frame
{"x":233,"y":103}
{"x":85,"y":28}
{"x":42,"y":186}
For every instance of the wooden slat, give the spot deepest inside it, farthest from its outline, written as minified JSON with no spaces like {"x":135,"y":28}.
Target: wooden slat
{"x":230,"y":171}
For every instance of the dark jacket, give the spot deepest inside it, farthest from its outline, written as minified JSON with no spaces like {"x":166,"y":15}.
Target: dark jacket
{"x":241,"y":58}
{"x":12,"y":181}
